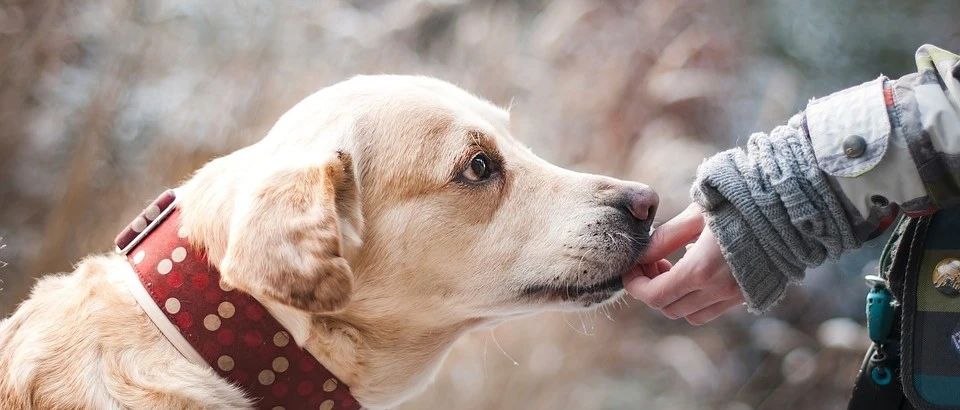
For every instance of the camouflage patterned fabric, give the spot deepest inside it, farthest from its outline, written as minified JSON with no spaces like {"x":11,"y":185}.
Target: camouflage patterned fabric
{"x":909,"y":163}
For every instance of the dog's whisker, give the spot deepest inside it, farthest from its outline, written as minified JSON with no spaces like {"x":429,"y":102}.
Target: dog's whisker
{"x":581,"y":330}
{"x":583,"y":325}
{"x":621,"y":302}
{"x":606,"y":313}
{"x":566,"y":320}
{"x":493,"y":335}
{"x":633,"y":240}
{"x":483,"y":359}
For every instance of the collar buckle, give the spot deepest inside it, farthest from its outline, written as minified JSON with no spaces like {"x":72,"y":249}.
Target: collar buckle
{"x":145,"y":222}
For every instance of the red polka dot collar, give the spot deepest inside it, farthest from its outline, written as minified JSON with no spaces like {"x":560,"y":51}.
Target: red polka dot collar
{"x":210,"y":323}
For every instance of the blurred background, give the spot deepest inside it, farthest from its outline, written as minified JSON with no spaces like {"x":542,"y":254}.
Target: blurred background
{"x":105,"y":103}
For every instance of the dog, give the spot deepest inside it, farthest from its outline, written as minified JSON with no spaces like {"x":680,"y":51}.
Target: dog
{"x":379,"y":219}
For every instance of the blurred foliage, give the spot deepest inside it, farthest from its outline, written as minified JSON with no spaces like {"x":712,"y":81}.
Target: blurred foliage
{"x":105,"y":103}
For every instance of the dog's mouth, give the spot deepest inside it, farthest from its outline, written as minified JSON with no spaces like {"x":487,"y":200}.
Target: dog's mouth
{"x":602,"y":280}
{"x":586,"y":294}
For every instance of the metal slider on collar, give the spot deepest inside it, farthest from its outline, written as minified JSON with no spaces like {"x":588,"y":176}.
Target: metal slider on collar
{"x":141,"y":226}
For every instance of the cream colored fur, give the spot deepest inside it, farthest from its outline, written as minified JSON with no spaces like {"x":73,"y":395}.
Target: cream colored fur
{"x":350,"y":221}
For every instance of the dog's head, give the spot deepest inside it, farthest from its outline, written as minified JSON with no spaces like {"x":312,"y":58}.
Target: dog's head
{"x":409,"y":197}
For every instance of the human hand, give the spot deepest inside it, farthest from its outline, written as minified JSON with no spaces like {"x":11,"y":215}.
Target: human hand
{"x":700,"y":287}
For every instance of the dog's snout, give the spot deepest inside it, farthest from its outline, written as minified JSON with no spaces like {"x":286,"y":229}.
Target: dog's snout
{"x":636,"y":199}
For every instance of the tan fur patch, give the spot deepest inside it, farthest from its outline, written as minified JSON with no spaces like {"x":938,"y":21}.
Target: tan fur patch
{"x":287,"y":246}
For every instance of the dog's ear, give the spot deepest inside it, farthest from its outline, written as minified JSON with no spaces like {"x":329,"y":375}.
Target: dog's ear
{"x":287,"y":238}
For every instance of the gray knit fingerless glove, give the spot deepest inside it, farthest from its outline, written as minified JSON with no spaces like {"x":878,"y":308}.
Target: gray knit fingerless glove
{"x":772,"y":211}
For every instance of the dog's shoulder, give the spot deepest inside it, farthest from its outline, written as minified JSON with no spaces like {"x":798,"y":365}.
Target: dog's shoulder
{"x":81,"y":340}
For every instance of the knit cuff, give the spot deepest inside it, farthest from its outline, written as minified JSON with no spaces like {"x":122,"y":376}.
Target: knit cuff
{"x":762,"y":286}
{"x":773,"y":212}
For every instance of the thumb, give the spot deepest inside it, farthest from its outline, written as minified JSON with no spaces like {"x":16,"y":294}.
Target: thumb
{"x":673,"y":234}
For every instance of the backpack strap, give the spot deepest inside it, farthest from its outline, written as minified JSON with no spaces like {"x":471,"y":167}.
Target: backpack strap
{"x":931,"y":314}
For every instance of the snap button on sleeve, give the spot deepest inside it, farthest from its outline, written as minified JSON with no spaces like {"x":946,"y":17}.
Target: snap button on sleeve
{"x":849,"y":129}
{"x":854,"y":146}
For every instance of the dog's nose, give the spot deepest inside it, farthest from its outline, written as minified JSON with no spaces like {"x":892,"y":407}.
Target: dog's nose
{"x":643,"y":202}
{"x":639,"y":200}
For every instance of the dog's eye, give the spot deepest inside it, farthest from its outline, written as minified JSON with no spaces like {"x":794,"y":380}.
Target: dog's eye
{"x":479,"y":169}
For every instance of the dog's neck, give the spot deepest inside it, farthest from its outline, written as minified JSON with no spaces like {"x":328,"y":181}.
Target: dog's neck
{"x":372,"y":345}
{"x":384,"y":364}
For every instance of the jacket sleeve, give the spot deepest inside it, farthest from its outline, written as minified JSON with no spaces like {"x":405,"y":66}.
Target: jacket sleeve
{"x":834,"y":176}
{"x":892,"y":145}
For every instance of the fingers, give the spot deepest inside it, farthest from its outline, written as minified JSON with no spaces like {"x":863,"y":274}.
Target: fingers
{"x":712,"y":312}
{"x":657,"y":292}
{"x":650,"y":270}
{"x":663,"y":265}
{"x":702,"y":299}
{"x":673,"y":234}
{"x":700,"y":287}
{"x":691,"y":303}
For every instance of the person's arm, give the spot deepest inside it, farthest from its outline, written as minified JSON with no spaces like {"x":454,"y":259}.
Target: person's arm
{"x":831,"y":178}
